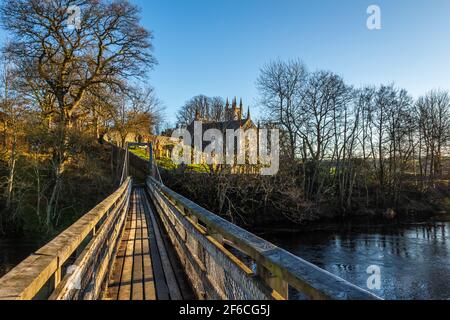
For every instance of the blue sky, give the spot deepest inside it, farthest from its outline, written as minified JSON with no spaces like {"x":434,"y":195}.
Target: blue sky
{"x":217,"y":47}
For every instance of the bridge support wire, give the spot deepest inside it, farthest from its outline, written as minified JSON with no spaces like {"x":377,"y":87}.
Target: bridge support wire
{"x":156,"y":173}
{"x":125,"y":165}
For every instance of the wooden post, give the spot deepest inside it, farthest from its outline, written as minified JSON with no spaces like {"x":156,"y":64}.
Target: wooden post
{"x":200,"y":253}
{"x":217,"y":236}
{"x":57,"y":276}
{"x":277,"y":284}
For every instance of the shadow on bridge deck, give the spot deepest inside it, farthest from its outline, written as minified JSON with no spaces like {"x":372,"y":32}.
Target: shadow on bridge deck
{"x":146,"y":266}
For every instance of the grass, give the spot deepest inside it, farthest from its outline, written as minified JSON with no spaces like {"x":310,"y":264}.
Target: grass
{"x":167,"y":163}
{"x":142,"y":153}
{"x":200,"y":168}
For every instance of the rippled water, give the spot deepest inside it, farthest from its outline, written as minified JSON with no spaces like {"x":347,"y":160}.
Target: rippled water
{"x":414,"y":259}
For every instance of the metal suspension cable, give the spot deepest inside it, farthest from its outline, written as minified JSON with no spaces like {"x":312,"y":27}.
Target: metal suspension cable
{"x":125,"y":167}
{"x":158,"y":173}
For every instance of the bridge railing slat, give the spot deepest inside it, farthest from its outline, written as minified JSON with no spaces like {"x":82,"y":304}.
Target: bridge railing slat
{"x":93,"y":264}
{"x":43,"y":270}
{"x":275,"y":267}
{"x":204,"y":259}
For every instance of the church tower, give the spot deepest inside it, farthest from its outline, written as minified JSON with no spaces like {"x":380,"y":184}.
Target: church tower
{"x":234,"y":112}
{"x":228,"y":111}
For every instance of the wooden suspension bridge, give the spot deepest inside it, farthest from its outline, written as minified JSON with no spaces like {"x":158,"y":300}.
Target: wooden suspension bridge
{"x":146,"y":242}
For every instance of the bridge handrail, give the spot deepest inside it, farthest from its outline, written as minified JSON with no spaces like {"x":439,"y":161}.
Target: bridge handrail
{"x":281,"y":265}
{"x":30,"y":277}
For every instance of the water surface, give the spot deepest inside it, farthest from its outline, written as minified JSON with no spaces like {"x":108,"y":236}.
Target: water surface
{"x":414,"y":258}
{"x":14,"y":251}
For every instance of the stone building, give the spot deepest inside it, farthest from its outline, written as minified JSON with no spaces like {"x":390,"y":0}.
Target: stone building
{"x":234,"y":120}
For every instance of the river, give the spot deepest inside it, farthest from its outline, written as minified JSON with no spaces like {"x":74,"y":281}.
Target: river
{"x":413,"y":258}
{"x":14,"y":251}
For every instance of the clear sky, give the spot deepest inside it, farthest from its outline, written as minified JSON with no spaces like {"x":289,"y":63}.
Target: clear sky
{"x":216,"y":47}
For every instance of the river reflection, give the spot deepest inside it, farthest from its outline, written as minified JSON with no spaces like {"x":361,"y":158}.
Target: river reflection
{"x":414,"y":258}
{"x":12,"y":252}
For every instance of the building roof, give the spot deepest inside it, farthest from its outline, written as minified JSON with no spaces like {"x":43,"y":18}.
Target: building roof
{"x":223,"y":125}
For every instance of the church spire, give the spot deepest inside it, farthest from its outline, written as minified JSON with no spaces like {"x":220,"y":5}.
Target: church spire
{"x":248,"y":114}
{"x":241,"y":110}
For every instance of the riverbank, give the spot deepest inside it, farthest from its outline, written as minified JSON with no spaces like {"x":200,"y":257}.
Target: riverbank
{"x":253,"y":201}
{"x":333,"y":224}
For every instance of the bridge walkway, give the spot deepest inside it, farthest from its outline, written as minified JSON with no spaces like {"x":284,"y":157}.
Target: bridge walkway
{"x":146,"y":267}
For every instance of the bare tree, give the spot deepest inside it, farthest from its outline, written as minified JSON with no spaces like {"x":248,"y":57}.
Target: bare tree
{"x":209,"y":108}
{"x":323,"y":107}
{"x":66,"y":63}
{"x":348,"y":144}
{"x":12,"y":113}
{"x":281,"y":85}
{"x":433,"y":111}
{"x":139,"y":114}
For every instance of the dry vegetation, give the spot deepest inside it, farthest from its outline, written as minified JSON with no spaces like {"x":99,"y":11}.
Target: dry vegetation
{"x":62,"y":90}
{"x":346,"y":151}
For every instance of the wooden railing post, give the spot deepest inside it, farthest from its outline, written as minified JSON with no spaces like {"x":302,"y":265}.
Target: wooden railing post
{"x":218,"y":237}
{"x":199,"y":249}
{"x":57,"y":277}
{"x":274,"y":282}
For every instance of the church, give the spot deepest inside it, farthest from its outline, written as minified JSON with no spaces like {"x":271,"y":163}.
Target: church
{"x":234,"y":119}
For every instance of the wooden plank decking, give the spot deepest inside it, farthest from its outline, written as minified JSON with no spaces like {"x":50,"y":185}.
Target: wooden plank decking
{"x":145,"y":268}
